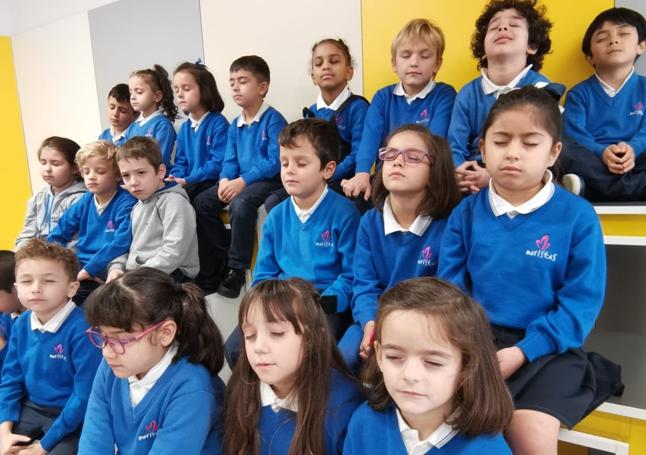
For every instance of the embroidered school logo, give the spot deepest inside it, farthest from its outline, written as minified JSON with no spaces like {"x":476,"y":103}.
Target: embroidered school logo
{"x":542,"y":251}
{"x":340,"y":122}
{"x":325,"y":241}
{"x":110,"y":227}
{"x":151,"y":431}
{"x":58,"y":353}
{"x":426,"y":257}
{"x":638,"y":109}
{"x":263,"y":135}
{"x":208,"y":140}
{"x":423,"y":116}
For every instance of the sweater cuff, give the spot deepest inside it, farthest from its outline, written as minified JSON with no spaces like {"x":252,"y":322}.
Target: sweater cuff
{"x":535,"y":345}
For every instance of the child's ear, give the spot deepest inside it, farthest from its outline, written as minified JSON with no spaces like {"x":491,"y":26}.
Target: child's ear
{"x":328,"y":170}
{"x":554,"y":153}
{"x":72,"y":288}
{"x":641,"y":47}
{"x":377,"y":348}
{"x":161,"y":172}
{"x":158,"y":96}
{"x":481,"y":146}
{"x":264,"y":88}
{"x":349,"y":73}
{"x":167,"y":333}
{"x":531,"y":49}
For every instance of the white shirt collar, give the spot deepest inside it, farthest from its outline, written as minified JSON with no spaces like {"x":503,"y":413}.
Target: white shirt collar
{"x":338,"y":101}
{"x":143,"y":120}
{"x":269,"y":398}
{"x":489,"y":87}
{"x":502,"y":207}
{"x":441,"y":436}
{"x":195,"y":124}
{"x":55,"y":322}
{"x":101,"y":207}
{"x":399,"y":91}
{"x":241,"y":121}
{"x":419,"y":226}
{"x":115,"y":136}
{"x":140,"y":387}
{"x":610,"y":91}
{"x":304,"y":215}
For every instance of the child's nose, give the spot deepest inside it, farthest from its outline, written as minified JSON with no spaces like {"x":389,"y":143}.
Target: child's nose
{"x":411,"y":371}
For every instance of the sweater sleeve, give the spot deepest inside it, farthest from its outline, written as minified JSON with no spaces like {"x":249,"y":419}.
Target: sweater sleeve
{"x":356,"y":117}
{"x":454,"y":250}
{"x":213,"y":166}
{"x":97,"y":437}
{"x":366,"y":286}
{"x":267,"y":266}
{"x":12,"y":386}
{"x":30,"y":228}
{"x":165,"y":136}
{"x":459,"y":129}
{"x":180,"y":166}
{"x":575,"y":119}
{"x":230,"y":166}
{"x":69,"y":223}
{"x":638,"y":141}
{"x":373,"y":132}
{"x":268,"y":166}
{"x":439,"y":124}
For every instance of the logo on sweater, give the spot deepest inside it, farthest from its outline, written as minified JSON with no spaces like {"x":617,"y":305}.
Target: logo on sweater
{"x":426,"y":257}
{"x":340,"y":122}
{"x":149,"y":133}
{"x":263,"y":135}
{"x":110,"y":227}
{"x":325,"y":240}
{"x":542,"y":251}
{"x":638,"y":109}
{"x":208,"y":140}
{"x":151,"y":431}
{"x":58,"y":353}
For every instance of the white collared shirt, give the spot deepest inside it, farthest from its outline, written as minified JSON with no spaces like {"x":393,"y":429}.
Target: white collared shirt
{"x":143,"y":120}
{"x":269,"y":398}
{"x":338,"y":101}
{"x":610,"y":91}
{"x":441,"y":436}
{"x":55,"y":322}
{"x":500,"y":207}
{"x":100,"y":208}
{"x":419,"y":226}
{"x":195,"y":124}
{"x":241,"y":120}
{"x":489,"y":87}
{"x":399,"y":91}
{"x":140,"y":387}
{"x":115,"y":136}
{"x":305,"y":215}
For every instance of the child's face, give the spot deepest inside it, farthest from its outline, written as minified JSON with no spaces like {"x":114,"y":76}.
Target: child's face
{"x":419,"y":365}
{"x":142,"y":97}
{"x":507,"y":35}
{"x":99,"y":176}
{"x":140,"y":177}
{"x":330,"y":68}
{"x":187,"y":92}
{"x":406,"y":178}
{"x":300,"y":170}
{"x":44,"y":287}
{"x":9,"y":302}
{"x":246,"y":89}
{"x":274,"y":350}
{"x":517,"y":151}
{"x":416,"y":63}
{"x":120,"y":113}
{"x":615,"y":45}
{"x":55,"y":169}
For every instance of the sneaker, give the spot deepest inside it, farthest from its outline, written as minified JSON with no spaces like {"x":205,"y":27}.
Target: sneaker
{"x":573,"y":183}
{"x":232,"y":283}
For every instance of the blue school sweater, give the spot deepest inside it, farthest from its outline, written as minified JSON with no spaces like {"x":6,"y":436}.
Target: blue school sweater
{"x":252,"y":150}
{"x":276,"y":429}
{"x":101,"y":238}
{"x":6,"y":324}
{"x":469,"y":114}
{"x":199,"y":154}
{"x":388,"y":112}
{"x":106,"y":135}
{"x":179,"y":414}
{"x":595,"y":120}
{"x":50,"y":369}
{"x":319,"y":251}
{"x":349,"y":124}
{"x":160,"y":128}
{"x":381,"y":261}
{"x":373,"y":431}
{"x":544,"y":272}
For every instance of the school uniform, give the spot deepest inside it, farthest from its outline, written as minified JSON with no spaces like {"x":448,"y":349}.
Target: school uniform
{"x":6,"y":324}
{"x":160,"y":128}
{"x":386,"y":431}
{"x":47,"y":377}
{"x":472,"y":105}
{"x":110,"y":136}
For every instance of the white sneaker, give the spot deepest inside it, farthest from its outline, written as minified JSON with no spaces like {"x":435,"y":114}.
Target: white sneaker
{"x":573,"y":183}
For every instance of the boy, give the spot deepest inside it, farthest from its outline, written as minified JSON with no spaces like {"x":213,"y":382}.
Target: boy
{"x":50,"y":365}
{"x":604,"y":115}
{"x":100,"y":218}
{"x":510,"y":41}
{"x":416,"y":56}
{"x":120,"y":114}
{"x":249,"y":174}
{"x":163,"y":221}
{"x":10,"y":306}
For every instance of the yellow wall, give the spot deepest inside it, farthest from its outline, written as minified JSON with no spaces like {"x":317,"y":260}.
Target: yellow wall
{"x":14,"y":173}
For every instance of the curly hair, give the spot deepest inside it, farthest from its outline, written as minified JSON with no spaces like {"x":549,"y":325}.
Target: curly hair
{"x":39,"y":249}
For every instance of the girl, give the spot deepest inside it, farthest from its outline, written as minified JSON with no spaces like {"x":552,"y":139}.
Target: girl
{"x":289,"y":392}
{"x":202,"y":139}
{"x":413,"y":192}
{"x":152,"y":96}
{"x":157,"y":390}
{"x":532,"y":254}
{"x":64,"y":186}
{"x":433,"y":383}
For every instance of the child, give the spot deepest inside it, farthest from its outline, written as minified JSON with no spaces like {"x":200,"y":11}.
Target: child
{"x":510,"y":41}
{"x":604,"y":115}
{"x":10,"y":306}
{"x":64,"y":186}
{"x":433,"y":383}
{"x":290,"y":392}
{"x":202,"y":139}
{"x":533,"y":255}
{"x":157,"y":390}
{"x":101,"y":218}
{"x":249,"y":174}
{"x":416,"y":56}
{"x":49,"y":368}
{"x":163,"y":221}
{"x":152,"y":96}
{"x":414,"y":192}
{"x":120,"y":113}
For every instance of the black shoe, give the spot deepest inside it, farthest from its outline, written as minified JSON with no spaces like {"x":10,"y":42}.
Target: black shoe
{"x":231,"y":285}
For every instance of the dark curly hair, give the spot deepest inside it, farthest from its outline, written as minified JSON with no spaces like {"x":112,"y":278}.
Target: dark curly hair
{"x":538,"y":28}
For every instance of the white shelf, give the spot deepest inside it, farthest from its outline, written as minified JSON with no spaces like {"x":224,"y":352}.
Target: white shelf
{"x":629,"y":240}
{"x":621,"y":209}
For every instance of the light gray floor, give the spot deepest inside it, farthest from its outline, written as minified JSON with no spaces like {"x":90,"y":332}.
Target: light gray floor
{"x":225,"y":314}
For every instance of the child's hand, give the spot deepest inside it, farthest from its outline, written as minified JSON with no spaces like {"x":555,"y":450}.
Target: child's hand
{"x":232,"y":189}
{"x":8,"y":440}
{"x":510,"y":360}
{"x":368,"y":339}
{"x":83,"y":275}
{"x":32,"y":449}
{"x":619,"y":158}
{"x":222,"y":187}
{"x":113,"y":274}
{"x":178,"y":180}
{"x":3,"y":342}
{"x":358,"y":184}
{"x":471,"y":177}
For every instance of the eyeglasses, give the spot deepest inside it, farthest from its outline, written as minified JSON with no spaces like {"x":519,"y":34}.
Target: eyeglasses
{"x":411,"y":156}
{"x":118,"y":345}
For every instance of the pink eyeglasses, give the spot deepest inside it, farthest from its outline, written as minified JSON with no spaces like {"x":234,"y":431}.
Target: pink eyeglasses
{"x":118,"y":345}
